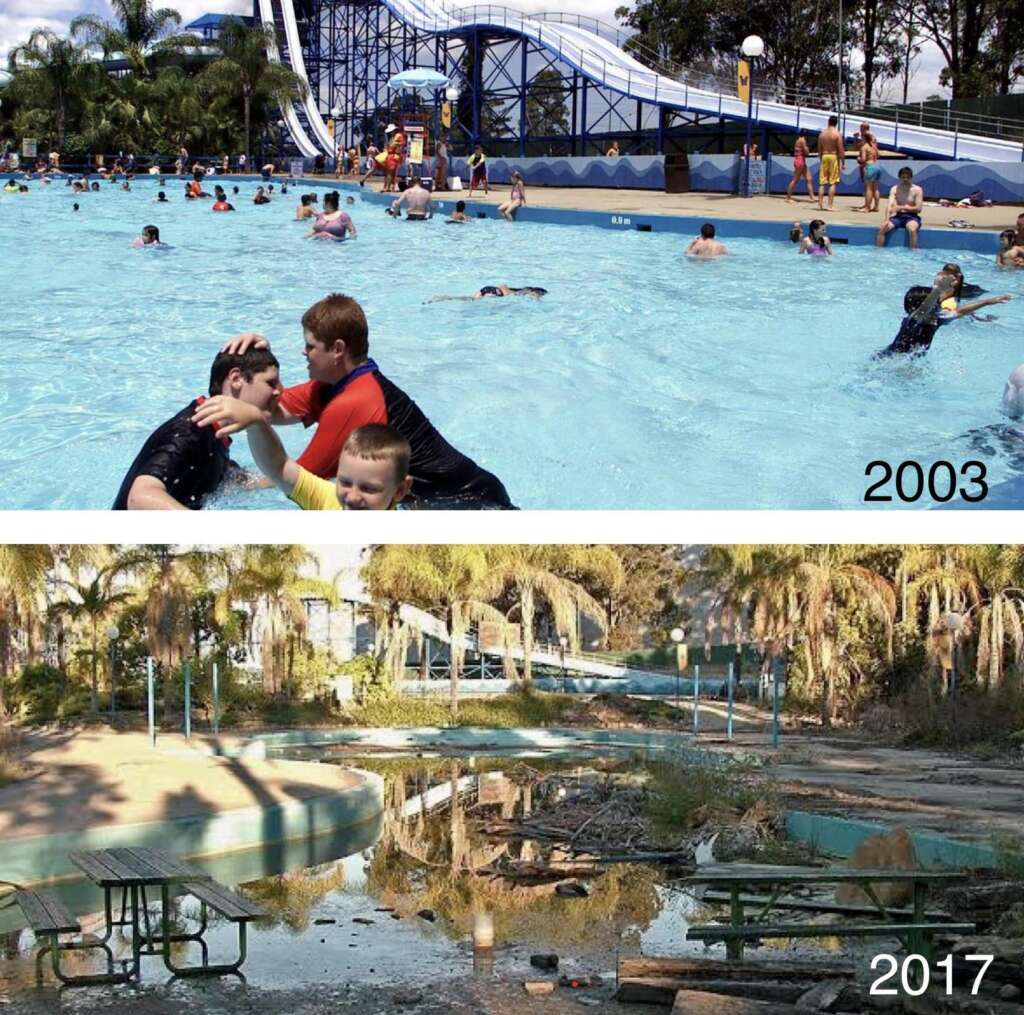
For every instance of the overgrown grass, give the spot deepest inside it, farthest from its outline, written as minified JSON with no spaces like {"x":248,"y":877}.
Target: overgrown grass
{"x":1009,"y":850}
{"x":685,"y":796}
{"x":526,"y":708}
{"x":988,"y":723}
{"x":11,"y":768}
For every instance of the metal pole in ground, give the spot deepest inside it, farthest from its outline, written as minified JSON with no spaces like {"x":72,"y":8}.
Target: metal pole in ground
{"x":696,"y":699}
{"x":728,"y":723}
{"x":216,"y":701}
{"x":150,"y":702}
{"x":775,"y":707}
{"x":188,"y":700}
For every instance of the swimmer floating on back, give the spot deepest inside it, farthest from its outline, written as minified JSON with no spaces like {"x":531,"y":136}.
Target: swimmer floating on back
{"x":928,"y":311}
{"x":496,"y":290}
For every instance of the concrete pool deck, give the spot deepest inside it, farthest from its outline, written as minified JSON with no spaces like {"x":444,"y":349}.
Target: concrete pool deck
{"x":91,"y":787}
{"x":763,"y":208}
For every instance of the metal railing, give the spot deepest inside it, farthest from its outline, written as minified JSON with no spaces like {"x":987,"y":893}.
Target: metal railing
{"x":945,"y":118}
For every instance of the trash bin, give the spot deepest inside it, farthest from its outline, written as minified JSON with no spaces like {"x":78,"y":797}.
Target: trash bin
{"x":677,"y":173}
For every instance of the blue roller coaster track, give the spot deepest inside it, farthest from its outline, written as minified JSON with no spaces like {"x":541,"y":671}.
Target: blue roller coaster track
{"x":510,"y":67}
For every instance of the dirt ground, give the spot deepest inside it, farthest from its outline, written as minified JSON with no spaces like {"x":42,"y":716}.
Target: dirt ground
{"x":466,"y":996}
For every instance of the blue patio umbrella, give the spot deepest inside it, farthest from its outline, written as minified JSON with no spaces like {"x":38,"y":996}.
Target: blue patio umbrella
{"x":417,"y":77}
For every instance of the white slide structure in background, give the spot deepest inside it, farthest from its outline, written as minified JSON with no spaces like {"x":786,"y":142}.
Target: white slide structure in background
{"x":605,"y":63}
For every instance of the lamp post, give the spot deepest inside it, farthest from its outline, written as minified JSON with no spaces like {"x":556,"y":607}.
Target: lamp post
{"x":112,"y":635}
{"x":752,"y":47}
{"x":677,"y":634}
{"x":562,"y":643}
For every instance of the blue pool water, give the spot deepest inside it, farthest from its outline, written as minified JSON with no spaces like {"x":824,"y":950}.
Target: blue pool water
{"x":641,"y":381}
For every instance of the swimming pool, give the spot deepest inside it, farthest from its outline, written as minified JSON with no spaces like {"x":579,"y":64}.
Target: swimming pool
{"x":640,"y":381}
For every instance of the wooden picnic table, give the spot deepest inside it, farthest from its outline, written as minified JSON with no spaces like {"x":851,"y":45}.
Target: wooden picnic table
{"x":133,"y":870}
{"x":782,"y":879}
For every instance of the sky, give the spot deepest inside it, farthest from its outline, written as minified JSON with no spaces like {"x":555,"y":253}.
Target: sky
{"x":19,"y":17}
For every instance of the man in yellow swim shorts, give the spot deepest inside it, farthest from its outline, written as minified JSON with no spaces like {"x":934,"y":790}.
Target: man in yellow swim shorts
{"x":832,"y":151}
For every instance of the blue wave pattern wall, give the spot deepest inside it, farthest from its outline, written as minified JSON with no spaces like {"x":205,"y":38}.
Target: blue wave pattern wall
{"x":1000,"y":181}
{"x":628,"y":172}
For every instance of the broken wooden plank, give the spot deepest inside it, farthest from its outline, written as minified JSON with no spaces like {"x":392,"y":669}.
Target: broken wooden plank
{"x":662,"y":990}
{"x":821,"y":997}
{"x":697,"y":1002}
{"x":639,"y":966}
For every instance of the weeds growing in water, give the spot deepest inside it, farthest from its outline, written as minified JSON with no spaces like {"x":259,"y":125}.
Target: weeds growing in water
{"x":686,"y":796}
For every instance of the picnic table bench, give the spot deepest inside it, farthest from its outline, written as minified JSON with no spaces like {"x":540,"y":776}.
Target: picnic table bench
{"x":915,"y":933}
{"x":48,"y":918}
{"x":133,"y":870}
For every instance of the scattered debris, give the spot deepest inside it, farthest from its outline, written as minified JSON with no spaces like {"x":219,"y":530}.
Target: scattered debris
{"x":546,"y":962}
{"x":572,"y":890}
{"x":322,"y":921}
{"x":361,"y":919}
{"x":427,"y":914}
{"x":537,"y":988}
{"x":696,"y":1002}
{"x":406,"y":997}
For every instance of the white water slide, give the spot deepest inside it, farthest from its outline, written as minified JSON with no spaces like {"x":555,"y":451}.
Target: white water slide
{"x":604,"y":62}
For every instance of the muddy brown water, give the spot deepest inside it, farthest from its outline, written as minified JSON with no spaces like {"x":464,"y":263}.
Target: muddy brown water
{"x":344,"y":932}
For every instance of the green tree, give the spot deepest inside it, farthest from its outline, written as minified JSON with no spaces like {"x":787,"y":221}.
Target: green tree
{"x":23,"y":572}
{"x":959,"y":28}
{"x":243,"y":68}
{"x":447,"y":580}
{"x":546,"y":112}
{"x":137,"y":30}
{"x":93,"y":601}
{"x":51,"y":70}
{"x":551,"y":575}
{"x":271,"y":577}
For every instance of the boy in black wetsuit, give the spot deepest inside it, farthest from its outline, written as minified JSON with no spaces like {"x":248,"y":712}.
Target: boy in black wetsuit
{"x":181,"y":464}
{"x":928,"y":310}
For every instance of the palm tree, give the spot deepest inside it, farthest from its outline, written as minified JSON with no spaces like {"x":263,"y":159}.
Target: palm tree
{"x":787,"y":590}
{"x":138,"y":31}
{"x":450,"y":580}
{"x":552,"y":574}
{"x":51,"y":66}
{"x":271,"y":576}
{"x":23,"y":571}
{"x":92,"y":601}
{"x":243,"y":67}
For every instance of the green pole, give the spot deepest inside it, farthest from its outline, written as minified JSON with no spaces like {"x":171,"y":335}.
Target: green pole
{"x":216,"y":701}
{"x":696,"y":699}
{"x":150,"y":702}
{"x":188,"y":700}
{"x":728,"y":725}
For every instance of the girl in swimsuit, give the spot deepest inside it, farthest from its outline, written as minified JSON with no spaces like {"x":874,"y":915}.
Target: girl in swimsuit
{"x":816,"y":243}
{"x":801,"y":152}
{"x":332,"y":224}
{"x":516,"y":199}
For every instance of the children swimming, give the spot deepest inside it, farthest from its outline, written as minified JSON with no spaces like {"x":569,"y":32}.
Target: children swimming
{"x":1011,"y":253}
{"x":373,"y":467}
{"x":928,"y":310}
{"x":181,"y":464}
{"x":150,"y":238}
{"x":816,"y":243}
{"x":496,"y":290}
